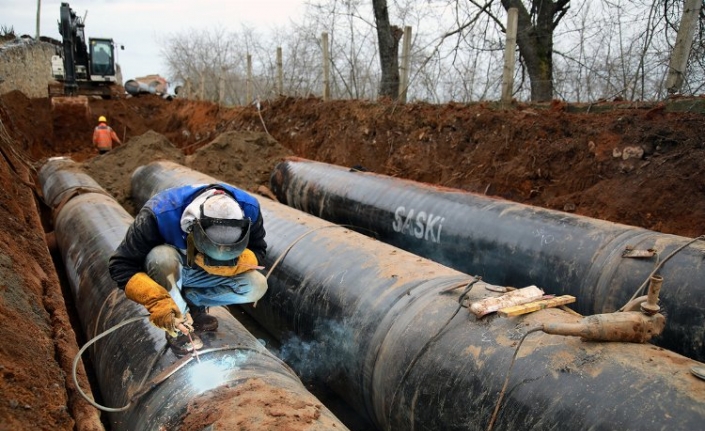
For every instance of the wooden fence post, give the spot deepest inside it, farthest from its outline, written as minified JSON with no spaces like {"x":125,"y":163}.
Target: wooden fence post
{"x":249,"y":80}
{"x":221,"y":85}
{"x":509,"y":57}
{"x":203,"y":86}
{"x":326,"y":67}
{"x":39,"y":8}
{"x":405,"y":61}
{"x":280,"y":72}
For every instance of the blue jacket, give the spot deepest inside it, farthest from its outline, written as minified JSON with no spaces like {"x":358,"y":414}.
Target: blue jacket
{"x":159,"y":222}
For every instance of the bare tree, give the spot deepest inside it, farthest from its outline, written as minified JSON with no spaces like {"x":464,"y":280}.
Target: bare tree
{"x":672,"y":13}
{"x":535,"y":41}
{"x":536,"y":25}
{"x":597,"y":49}
{"x":388,"y":37}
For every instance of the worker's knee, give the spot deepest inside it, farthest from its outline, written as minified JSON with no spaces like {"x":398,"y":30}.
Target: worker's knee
{"x":213,"y":290}
{"x":259,"y":285}
{"x":249,"y":287}
{"x":163,"y":264}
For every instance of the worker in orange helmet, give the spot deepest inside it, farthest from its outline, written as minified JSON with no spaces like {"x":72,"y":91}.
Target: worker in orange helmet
{"x":103,"y":136}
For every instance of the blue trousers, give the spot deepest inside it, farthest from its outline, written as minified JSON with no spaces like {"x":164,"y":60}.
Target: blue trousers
{"x":191,"y":287}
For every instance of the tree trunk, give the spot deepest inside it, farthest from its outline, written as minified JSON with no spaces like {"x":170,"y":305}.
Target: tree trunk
{"x":388,"y":37}
{"x":535,"y":41}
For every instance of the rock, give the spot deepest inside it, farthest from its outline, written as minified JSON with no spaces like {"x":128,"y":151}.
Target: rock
{"x":632,"y":153}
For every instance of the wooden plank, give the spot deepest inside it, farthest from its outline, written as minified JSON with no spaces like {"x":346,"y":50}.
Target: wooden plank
{"x":513,"y":298}
{"x":518,"y":310}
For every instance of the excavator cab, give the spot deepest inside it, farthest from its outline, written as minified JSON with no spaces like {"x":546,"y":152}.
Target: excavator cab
{"x":102,"y":64}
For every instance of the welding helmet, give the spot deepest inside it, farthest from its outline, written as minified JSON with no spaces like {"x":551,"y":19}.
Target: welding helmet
{"x":220,"y":231}
{"x":102,"y":119}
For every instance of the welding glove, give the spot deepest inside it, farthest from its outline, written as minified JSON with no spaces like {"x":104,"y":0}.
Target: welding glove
{"x":163,"y":311}
{"x":245,"y":262}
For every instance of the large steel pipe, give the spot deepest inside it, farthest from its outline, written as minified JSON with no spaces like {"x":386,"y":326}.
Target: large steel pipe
{"x":381,"y":326}
{"x":508,"y":243}
{"x":234,"y":370}
{"x":135,"y":87}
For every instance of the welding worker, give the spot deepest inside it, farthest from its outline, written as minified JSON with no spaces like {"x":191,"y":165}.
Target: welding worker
{"x":190,"y":248}
{"x":103,"y":136}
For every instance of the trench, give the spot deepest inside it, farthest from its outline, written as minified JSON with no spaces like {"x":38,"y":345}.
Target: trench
{"x":341,"y":409}
{"x":388,"y":323}
{"x":406,"y":362}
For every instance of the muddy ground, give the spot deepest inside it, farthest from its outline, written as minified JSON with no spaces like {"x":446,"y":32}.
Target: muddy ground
{"x":640,"y":165}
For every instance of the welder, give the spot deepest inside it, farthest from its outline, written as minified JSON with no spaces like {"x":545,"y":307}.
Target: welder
{"x":190,"y":248}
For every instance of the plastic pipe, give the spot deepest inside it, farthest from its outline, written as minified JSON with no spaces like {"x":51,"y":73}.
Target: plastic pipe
{"x":88,"y":227}
{"x":508,"y":243}
{"x":380,"y":328}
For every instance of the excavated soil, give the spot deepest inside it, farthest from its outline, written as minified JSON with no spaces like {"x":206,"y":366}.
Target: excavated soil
{"x":637,"y":165}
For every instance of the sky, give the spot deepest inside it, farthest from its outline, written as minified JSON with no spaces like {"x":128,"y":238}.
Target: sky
{"x":139,"y":25}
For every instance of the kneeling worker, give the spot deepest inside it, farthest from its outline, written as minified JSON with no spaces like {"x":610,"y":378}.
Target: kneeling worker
{"x":189,"y":248}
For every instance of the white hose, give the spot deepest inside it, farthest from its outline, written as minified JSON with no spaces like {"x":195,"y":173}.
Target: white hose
{"x":83,"y":349}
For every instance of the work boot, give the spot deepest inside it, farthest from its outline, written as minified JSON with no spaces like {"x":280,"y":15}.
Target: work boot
{"x":202,"y":321}
{"x":181,"y":344}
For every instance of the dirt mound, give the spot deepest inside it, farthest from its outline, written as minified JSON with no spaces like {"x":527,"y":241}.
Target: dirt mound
{"x":243,"y":159}
{"x":113,"y":170}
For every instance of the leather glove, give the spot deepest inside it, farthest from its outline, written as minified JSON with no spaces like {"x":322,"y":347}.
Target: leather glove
{"x":245,"y":262}
{"x":163,"y":311}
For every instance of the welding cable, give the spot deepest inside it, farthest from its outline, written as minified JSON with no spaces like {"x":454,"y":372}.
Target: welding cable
{"x":509,"y":373}
{"x":83,"y":349}
{"x":156,"y":381}
{"x":258,"y":104}
{"x":657,"y":267}
{"x":293,"y":243}
{"x":144,"y":389}
{"x":426,"y":346}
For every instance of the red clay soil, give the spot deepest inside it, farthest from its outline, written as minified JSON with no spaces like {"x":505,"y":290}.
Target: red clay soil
{"x":266,"y":407}
{"x":637,"y":165}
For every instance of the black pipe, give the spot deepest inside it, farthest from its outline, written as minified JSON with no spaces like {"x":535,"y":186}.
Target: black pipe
{"x":381,"y":326}
{"x":89,"y":225}
{"x":508,"y":243}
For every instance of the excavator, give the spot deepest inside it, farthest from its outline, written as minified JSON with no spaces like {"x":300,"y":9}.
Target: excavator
{"x":81,"y":69}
